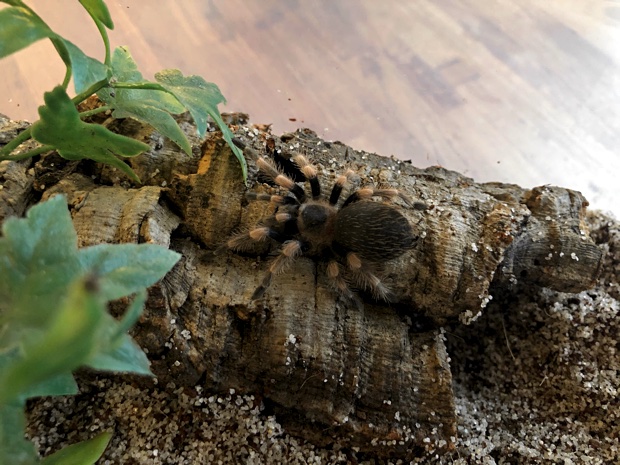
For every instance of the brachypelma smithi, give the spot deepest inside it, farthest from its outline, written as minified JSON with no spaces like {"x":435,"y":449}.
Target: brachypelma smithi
{"x":355,"y":239}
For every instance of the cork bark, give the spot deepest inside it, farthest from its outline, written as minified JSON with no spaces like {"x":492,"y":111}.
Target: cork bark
{"x":378,"y":374}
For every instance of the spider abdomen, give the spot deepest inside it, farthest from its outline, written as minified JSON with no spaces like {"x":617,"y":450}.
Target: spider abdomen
{"x":376,"y":231}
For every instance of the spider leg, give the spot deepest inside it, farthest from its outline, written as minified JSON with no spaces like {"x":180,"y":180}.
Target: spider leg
{"x":290,"y":251}
{"x":369,"y":192}
{"x":309,"y":172}
{"x":348,"y":175}
{"x":335,"y":274}
{"x":244,"y":241}
{"x":366,"y":279}
{"x":275,"y":199}
{"x":281,"y":179}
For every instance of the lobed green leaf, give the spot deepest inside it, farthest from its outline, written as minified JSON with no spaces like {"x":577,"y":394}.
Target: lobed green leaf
{"x":60,"y":126}
{"x":86,"y":70}
{"x":124,"y":269}
{"x":43,"y":338}
{"x":38,"y":260}
{"x":201,"y":98}
{"x":147,"y":105}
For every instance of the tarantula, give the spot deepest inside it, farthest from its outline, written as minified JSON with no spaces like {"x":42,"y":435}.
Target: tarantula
{"x":355,"y":239}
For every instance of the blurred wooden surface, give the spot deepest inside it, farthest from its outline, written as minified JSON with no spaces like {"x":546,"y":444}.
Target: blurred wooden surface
{"x":515,"y":91}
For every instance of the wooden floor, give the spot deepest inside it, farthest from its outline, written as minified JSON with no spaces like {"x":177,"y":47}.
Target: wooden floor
{"x":518,"y":91}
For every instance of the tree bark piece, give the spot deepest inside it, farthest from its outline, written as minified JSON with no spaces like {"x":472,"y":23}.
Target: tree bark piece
{"x":377,"y":376}
{"x":16,"y":178}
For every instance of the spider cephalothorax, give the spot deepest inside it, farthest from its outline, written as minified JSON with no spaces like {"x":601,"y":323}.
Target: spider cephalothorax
{"x":355,"y":239}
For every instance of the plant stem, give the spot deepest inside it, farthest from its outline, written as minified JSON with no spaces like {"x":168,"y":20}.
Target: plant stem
{"x":138,"y":85}
{"x":106,"y":41}
{"x":90,"y":91}
{"x":86,"y":114}
{"x":12,"y":145}
{"x":30,"y":153}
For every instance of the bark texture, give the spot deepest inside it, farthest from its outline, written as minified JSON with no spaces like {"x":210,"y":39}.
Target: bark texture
{"x":379,"y":375}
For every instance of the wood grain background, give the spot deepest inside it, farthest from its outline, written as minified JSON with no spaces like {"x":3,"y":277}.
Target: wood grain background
{"x":516,"y":91}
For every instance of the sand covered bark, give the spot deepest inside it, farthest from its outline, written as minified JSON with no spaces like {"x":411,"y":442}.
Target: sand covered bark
{"x":374,"y":380}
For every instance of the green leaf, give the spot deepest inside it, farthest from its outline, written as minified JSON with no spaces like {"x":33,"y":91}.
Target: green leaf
{"x":118,"y":352}
{"x":125,"y":356}
{"x":53,"y":301}
{"x":38,"y":260}
{"x":61,"y":127}
{"x":201,"y":98}
{"x":62,"y":384}
{"x":67,"y":344}
{"x":132,"y":314}
{"x":147,"y":105}
{"x":14,"y":449}
{"x":124,"y":269}
{"x":98,"y":10}
{"x":125,"y":69}
{"x":45,"y":237}
{"x":82,"y":453}
{"x":13,"y":2}
{"x":20,"y":28}
{"x":59,"y":385}
{"x":86,"y":70}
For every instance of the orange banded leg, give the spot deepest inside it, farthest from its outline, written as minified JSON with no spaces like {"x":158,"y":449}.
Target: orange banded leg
{"x":280,"y":179}
{"x":309,"y":172}
{"x":366,"y":279}
{"x":341,"y":181}
{"x":290,"y":251}
{"x":334,"y":273}
{"x":244,"y":242}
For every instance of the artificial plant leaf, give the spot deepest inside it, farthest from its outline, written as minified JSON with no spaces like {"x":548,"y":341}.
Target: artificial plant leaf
{"x":62,"y":384}
{"x":98,"y":10}
{"x":14,"y":449}
{"x":82,"y":453}
{"x":68,"y":342}
{"x":147,"y":105}
{"x":20,"y":28}
{"x":201,"y":98}
{"x":125,"y":69}
{"x":60,"y":126}
{"x":125,"y":356}
{"x":117,"y":351}
{"x":38,"y":260}
{"x":161,"y":120}
{"x":13,"y":2}
{"x":44,"y":237}
{"x":132,"y":314}
{"x":124,"y":269}
{"x":86,"y":70}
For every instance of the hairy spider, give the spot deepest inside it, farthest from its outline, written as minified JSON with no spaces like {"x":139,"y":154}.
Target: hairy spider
{"x":355,"y":239}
